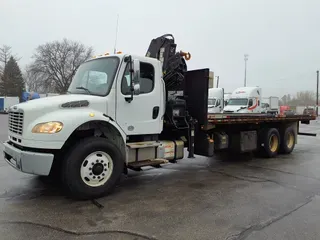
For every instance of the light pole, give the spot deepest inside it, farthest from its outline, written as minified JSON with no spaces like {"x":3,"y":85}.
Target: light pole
{"x":245,"y":69}
{"x":317,"y":97}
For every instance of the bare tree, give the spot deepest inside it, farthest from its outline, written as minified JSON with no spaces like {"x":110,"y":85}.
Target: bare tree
{"x":304,"y":98}
{"x":55,"y":64}
{"x":34,"y":82}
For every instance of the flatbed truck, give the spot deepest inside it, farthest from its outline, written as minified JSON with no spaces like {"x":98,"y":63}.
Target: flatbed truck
{"x":125,"y":112}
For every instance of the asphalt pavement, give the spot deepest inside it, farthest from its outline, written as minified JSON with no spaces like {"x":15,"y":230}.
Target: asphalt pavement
{"x":225,"y":198}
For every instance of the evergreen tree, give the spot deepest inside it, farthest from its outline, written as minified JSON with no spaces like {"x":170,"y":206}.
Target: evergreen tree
{"x":12,"y":83}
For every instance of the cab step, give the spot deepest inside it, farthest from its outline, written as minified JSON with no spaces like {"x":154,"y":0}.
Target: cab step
{"x":154,"y":163}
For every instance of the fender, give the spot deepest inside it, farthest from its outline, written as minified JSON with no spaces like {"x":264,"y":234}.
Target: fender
{"x":71,"y":120}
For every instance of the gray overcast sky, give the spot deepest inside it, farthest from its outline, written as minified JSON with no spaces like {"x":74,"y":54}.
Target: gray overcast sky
{"x":282,"y":37}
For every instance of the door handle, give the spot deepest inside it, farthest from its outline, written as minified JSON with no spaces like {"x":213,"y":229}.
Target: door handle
{"x":155,"y":112}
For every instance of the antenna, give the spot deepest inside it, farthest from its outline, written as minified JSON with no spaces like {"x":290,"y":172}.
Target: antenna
{"x":115,"y":42}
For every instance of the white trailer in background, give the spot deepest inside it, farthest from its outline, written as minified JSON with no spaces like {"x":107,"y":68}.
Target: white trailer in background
{"x":270,"y":105}
{"x":7,"y":102}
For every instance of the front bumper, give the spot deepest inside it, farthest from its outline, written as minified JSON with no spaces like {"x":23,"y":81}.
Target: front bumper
{"x":28,"y":162}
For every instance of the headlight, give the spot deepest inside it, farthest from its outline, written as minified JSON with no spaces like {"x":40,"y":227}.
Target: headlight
{"x":47,"y":127}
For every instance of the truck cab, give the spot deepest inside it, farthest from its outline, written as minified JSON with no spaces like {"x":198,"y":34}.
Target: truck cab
{"x":244,"y":100}
{"x":215,"y":100}
{"x":118,"y":113}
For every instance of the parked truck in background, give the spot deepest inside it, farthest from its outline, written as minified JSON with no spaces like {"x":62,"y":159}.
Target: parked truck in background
{"x":244,"y":100}
{"x":270,"y":105}
{"x":215,"y":100}
{"x":7,"y":102}
{"x":226,"y":98}
{"x":125,"y":119}
{"x":27,"y":96}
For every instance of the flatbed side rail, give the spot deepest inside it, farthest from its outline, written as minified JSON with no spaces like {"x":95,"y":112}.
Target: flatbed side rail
{"x":255,"y":118}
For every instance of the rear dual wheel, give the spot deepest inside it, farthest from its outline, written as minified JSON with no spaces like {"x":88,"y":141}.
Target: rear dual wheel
{"x":288,"y":140}
{"x":271,"y":142}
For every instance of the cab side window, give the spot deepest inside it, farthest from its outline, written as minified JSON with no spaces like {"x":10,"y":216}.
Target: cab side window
{"x":146,"y":79}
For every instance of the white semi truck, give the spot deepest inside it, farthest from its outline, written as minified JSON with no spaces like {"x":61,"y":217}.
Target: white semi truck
{"x":244,"y":100}
{"x":216,"y":100}
{"x":118,"y":115}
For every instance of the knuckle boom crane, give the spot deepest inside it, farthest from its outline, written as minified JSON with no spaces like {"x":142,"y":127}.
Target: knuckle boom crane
{"x":174,"y":65}
{"x":174,"y":69}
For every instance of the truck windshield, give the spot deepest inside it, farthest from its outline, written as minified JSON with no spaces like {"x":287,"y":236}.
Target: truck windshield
{"x":211,"y":101}
{"x":238,"y":101}
{"x":95,"y":77}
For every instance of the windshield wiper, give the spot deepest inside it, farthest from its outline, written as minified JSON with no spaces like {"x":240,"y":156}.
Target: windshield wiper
{"x":84,"y":89}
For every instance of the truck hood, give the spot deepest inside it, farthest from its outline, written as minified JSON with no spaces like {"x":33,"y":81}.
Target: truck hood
{"x":49,"y":104}
{"x":234,"y":108}
{"x":213,"y":109}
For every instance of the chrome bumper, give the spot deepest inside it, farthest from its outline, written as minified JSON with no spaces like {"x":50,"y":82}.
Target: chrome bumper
{"x":28,"y":162}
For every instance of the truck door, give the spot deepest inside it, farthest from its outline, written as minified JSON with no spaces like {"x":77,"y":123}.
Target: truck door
{"x":219,"y":105}
{"x":143,"y":114}
{"x":253,"y":105}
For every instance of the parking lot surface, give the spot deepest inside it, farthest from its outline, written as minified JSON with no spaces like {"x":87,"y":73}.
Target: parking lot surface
{"x":234,"y":197}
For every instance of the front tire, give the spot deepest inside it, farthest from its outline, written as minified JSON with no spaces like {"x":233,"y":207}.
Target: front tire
{"x":92,"y":168}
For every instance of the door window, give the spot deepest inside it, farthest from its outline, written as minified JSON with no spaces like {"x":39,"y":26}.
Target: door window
{"x":250,"y":102}
{"x":146,"y":79}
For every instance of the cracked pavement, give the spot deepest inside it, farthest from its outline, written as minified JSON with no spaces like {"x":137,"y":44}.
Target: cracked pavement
{"x":227,"y":198}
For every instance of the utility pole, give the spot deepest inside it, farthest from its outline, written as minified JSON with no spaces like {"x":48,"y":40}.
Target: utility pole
{"x":245,"y":69}
{"x":317,"y":97}
{"x":217,"y":81}
{"x":116,"y":39}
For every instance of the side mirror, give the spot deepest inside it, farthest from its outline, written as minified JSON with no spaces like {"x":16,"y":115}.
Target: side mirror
{"x":136,"y":76}
{"x":250,"y":103}
{"x":136,"y":71}
{"x":136,"y":88}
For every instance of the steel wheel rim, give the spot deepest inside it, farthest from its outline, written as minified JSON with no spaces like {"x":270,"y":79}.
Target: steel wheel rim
{"x":290,"y":140}
{"x":273,"y":143}
{"x":96,"y":169}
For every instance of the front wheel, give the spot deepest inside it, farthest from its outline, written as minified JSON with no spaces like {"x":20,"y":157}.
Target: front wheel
{"x":92,"y":168}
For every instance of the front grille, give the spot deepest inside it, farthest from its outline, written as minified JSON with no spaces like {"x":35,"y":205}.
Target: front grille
{"x":16,"y":122}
